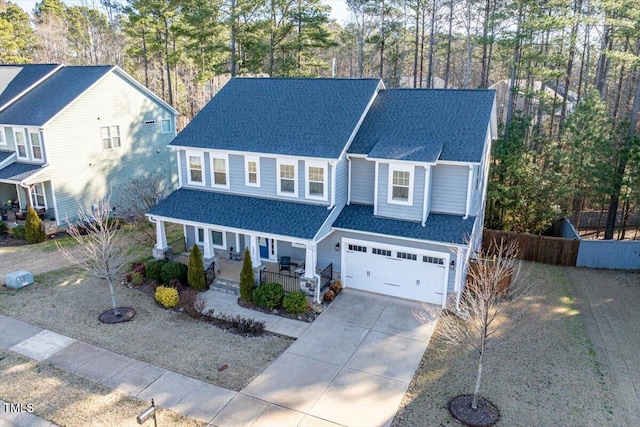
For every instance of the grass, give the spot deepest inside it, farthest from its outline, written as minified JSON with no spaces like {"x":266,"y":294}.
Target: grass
{"x":67,"y":399}
{"x":68,"y":303}
{"x":549,"y":363}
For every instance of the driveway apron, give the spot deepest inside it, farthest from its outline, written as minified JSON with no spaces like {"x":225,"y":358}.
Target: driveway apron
{"x":351,"y":367}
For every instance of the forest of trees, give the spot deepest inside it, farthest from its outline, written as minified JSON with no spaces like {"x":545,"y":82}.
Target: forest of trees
{"x":566,"y":74}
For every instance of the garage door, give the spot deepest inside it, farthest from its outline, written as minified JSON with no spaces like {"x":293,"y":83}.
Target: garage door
{"x":395,"y":270}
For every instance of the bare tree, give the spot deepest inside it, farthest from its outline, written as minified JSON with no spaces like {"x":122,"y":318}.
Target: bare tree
{"x":137,"y":198}
{"x":104,"y":249}
{"x":487,"y":307}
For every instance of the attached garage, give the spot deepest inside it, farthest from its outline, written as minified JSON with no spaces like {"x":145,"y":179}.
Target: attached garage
{"x":398,"y":271}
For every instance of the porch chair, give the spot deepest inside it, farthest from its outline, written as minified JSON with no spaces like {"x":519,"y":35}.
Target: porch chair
{"x":285,"y":263}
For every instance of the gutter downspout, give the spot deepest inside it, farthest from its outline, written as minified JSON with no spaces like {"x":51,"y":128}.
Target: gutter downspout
{"x":427,"y":188}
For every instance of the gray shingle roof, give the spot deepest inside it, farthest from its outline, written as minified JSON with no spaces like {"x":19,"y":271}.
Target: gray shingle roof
{"x":18,"y":171}
{"x":43,"y":102}
{"x":438,"y":228}
{"x":4,"y":155}
{"x":246,"y":213}
{"x":298,"y":117}
{"x":415,"y":124}
{"x":15,"y":79}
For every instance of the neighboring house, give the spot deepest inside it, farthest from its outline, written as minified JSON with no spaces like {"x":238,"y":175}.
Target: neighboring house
{"x":388,"y":185}
{"x":71,"y":135}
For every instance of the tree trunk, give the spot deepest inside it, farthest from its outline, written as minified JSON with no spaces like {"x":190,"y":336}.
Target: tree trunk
{"x":415,"y":44}
{"x":232,"y":67}
{"x":113,"y":297}
{"x":476,"y":389}
{"x":382,"y":37}
{"x":432,"y":44}
{"x":167,"y":62}
{"x":449,"y":38}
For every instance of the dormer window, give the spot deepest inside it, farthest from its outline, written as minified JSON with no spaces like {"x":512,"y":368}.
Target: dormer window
{"x":21,"y":144}
{"x":400,"y":185}
{"x":252,"y":171}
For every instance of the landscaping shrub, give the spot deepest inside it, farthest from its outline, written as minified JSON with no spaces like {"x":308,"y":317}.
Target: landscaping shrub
{"x":329,"y":296}
{"x":18,"y":232}
{"x":295,"y":302}
{"x":196,"y":277}
{"x":3,"y":227}
{"x":139,"y":267}
{"x":242,"y":325}
{"x":154,"y":267}
{"x":137,"y":278}
{"x":173,"y":270}
{"x":336,"y":287}
{"x":34,"y":227}
{"x":166,"y":296}
{"x":247,"y":281}
{"x":268,"y":295}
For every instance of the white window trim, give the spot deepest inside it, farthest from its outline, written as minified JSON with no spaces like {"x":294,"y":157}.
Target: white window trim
{"x":195,"y":154}
{"x":26,"y":143}
{"x":225,"y":157}
{"x":31,"y":151}
{"x":255,"y":159}
{"x":224,"y":238}
{"x":109,"y":128}
{"x":400,"y":168}
{"x":162,"y":120}
{"x":3,"y":137}
{"x":307,"y":183}
{"x":293,"y":163}
{"x":33,"y":198}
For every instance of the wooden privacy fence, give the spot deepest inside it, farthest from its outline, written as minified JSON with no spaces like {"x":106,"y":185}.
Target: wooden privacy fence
{"x":544,"y":249}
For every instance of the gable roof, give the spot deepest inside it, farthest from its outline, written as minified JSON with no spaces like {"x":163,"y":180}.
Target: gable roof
{"x":286,"y":116}
{"x":292,"y":219}
{"x":41,"y":103}
{"x":426,"y":125}
{"x":17,"y":172}
{"x":16,"y":79}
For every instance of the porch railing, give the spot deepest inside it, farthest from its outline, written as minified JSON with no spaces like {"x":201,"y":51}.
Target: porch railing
{"x":326,"y":275}
{"x":210,"y":273}
{"x":289,"y":283}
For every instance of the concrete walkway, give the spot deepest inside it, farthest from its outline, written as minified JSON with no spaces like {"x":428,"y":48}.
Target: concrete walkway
{"x":352,"y":366}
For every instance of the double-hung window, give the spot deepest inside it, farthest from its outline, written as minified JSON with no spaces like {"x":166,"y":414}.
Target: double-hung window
{"x":36,"y":146}
{"x":219,"y":171}
{"x":110,"y":137}
{"x":21,"y":144}
{"x":217,"y":239}
{"x":316,"y":182}
{"x":38,"y":199}
{"x":252,"y":171}
{"x":195,"y":173}
{"x":400,"y":185}
{"x":287,"y":183}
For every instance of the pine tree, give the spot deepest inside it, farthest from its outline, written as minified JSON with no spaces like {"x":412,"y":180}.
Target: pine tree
{"x":196,"y":275}
{"x":34,"y":228}
{"x":247,"y":282}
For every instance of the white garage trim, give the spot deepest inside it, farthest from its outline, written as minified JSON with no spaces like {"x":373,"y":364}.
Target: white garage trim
{"x":427,"y":258}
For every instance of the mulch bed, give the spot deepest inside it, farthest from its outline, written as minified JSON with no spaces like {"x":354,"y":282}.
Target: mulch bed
{"x":6,"y":241}
{"x":308,"y":316}
{"x":486,"y":415}
{"x":124,"y":315}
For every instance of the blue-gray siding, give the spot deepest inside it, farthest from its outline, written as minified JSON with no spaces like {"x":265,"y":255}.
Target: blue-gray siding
{"x":342,"y":179}
{"x":449,"y":189}
{"x":362,"y":181}
{"x":390,"y":210}
{"x":327,"y":250}
{"x":285,"y":249}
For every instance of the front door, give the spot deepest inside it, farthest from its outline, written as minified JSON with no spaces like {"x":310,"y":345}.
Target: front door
{"x":267,"y":248}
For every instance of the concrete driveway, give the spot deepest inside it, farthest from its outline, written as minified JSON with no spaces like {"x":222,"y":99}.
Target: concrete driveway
{"x":351,"y":367}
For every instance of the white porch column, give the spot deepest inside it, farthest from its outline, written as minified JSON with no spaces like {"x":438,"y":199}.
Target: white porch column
{"x":255,"y":252}
{"x":207,"y":253}
{"x":161,"y":235}
{"x":310,"y":261}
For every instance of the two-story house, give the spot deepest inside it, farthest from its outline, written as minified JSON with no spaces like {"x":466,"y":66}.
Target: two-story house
{"x":72,"y":135}
{"x":388,"y":185}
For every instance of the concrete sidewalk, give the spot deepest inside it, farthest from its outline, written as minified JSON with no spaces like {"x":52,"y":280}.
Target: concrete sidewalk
{"x":351,"y":366}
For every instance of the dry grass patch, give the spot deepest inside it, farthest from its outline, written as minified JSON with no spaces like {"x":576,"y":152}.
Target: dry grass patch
{"x":67,"y":303}
{"x":546,"y":375}
{"x":69,"y":400}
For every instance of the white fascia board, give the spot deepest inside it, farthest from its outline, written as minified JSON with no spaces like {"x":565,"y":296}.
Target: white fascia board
{"x":364,"y":114}
{"x":387,"y":236}
{"x":402,"y":162}
{"x":11,"y":159}
{"x":24,"y":92}
{"x":153,"y":218}
{"x":454,"y":163}
{"x":31,"y":179}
